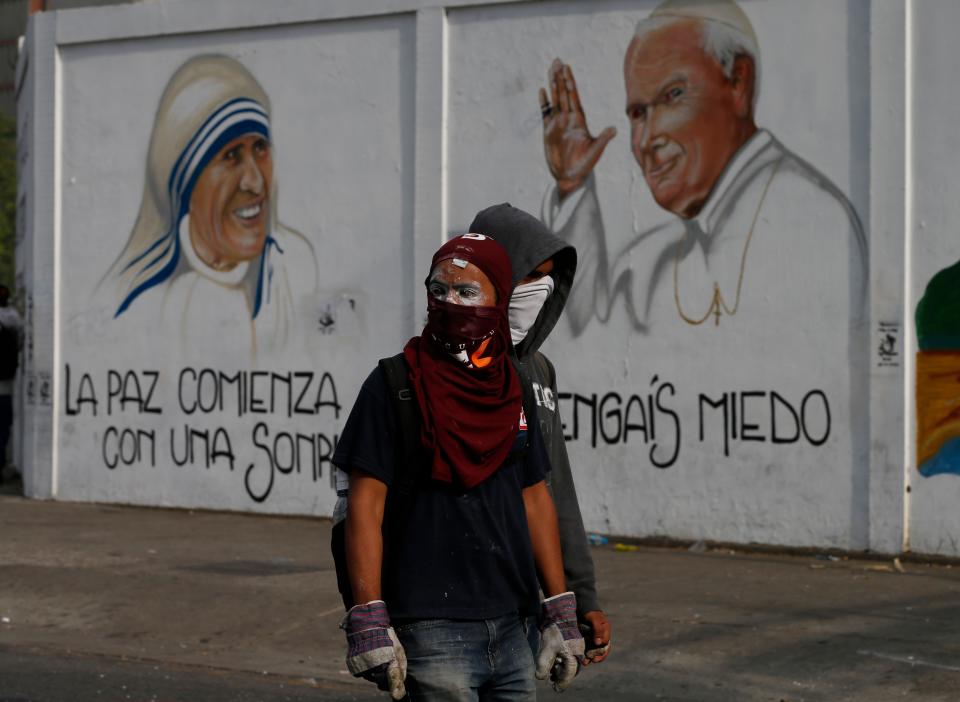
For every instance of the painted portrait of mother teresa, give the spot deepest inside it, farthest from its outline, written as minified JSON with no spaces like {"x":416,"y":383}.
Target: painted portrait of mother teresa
{"x":207,"y":256}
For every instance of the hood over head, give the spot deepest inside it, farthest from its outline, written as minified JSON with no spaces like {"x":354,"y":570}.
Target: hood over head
{"x":529,"y":243}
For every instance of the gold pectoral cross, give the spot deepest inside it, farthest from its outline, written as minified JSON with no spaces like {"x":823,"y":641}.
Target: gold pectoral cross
{"x":717,"y":304}
{"x":717,"y":308}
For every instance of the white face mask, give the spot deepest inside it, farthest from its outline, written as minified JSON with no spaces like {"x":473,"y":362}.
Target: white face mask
{"x":525,"y":305}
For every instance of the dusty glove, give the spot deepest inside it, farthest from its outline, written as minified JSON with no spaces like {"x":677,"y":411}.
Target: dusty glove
{"x":561,"y":644}
{"x":373,"y":651}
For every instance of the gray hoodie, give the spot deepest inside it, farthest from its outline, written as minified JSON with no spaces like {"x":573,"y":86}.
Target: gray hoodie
{"x":529,"y":243}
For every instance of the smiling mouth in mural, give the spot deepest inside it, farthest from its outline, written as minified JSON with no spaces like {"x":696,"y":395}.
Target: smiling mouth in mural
{"x":251,"y":214}
{"x":657,"y":172}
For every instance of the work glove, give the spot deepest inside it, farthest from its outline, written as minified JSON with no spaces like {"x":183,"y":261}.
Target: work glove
{"x":373,"y":651}
{"x":561,"y":644}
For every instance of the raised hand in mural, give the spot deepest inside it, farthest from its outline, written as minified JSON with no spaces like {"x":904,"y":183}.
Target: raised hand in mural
{"x":571,"y":150}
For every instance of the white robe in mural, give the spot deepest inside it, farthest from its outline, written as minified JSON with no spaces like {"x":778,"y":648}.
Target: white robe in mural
{"x":806,"y":260}
{"x":208,"y":314}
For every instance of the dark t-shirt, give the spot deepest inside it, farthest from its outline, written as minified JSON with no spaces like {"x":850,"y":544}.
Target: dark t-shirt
{"x":458,"y":554}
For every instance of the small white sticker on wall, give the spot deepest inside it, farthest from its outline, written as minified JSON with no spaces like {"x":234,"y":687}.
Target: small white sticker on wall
{"x":888,"y":345}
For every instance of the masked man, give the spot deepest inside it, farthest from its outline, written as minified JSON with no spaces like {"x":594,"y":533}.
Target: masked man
{"x":543,"y":272}
{"x":454,"y":573}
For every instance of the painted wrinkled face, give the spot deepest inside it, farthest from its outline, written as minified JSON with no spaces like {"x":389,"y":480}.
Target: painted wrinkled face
{"x":468,"y":285}
{"x":684,"y":124}
{"x":229,"y":207}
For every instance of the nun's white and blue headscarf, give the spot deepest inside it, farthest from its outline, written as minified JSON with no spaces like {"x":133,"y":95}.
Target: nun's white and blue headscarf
{"x":209,"y":101}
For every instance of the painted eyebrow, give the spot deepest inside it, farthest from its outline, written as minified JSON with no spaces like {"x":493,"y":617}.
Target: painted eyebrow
{"x":237,"y":148}
{"x":678,"y":77}
{"x":242,"y":145}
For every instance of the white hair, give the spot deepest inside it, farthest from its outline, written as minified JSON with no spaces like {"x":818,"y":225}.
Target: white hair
{"x":718,"y":40}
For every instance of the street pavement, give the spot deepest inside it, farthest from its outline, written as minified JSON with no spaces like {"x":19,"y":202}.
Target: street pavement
{"x":104,"y":602}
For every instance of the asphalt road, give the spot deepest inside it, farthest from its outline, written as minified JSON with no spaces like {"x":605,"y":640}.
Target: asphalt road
{"x":37,"y":676}
{"x":105,"y":602}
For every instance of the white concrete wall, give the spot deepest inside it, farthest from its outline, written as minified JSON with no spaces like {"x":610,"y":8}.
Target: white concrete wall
{"x":37,"y":111}
{"x":392,"y":124}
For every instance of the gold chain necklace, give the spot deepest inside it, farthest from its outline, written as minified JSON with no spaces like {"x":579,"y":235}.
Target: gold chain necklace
{"x":717,"y":304}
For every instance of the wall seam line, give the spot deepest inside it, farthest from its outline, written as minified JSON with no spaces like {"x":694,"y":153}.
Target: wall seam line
{"x":909,"y":394}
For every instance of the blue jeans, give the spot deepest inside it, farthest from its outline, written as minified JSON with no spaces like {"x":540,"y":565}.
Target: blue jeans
{"x":533,"y":638}
{"x":487,"y":660}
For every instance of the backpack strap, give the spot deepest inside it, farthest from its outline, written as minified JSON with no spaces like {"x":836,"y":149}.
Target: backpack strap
{"x":407,"y":448}
{"x":406,"y":468}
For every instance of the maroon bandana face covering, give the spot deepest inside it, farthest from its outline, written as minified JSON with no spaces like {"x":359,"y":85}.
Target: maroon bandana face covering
{"x":470,"y":410}
{"x":461,"y":330}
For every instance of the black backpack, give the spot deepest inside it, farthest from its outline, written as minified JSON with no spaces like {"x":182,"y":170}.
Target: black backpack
{"x":409,"y":464}
{"x":9,"y":352}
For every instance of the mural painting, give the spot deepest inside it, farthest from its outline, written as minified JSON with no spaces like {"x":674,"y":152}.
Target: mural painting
{"x":938,"y":375}
{"x":203,"y":365}
{"x":713,"y":367}
{"x":692,"y":76}
{"x":713,"y":363}
{"x":211,"y":283}
{"x":207,"y":258}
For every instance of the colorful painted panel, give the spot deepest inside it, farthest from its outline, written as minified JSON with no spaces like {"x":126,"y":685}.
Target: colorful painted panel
{"x":938,"y":375}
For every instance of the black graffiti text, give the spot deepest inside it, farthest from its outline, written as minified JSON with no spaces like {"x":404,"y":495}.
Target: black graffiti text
{"x":124,"y":389}
{"x":192,"y":445}
{"x":134,"y":388}
{"x":285,"y":453}
{"x":765,"y":416}
{"x":126,"y":446}
{"x":612,"y":418}
{"x":86,"y":393}
{"x":207,"y":390}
